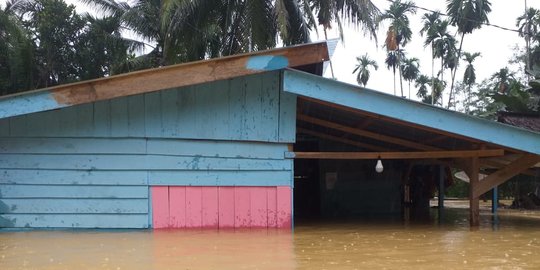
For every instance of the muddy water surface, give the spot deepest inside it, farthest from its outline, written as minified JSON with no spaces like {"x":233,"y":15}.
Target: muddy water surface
{"x":512,"y":244}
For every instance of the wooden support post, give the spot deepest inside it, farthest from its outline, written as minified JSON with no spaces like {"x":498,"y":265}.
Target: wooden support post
{"x":441,"y":192}
{"x":495,"y":200}
{"x":474,"y":200}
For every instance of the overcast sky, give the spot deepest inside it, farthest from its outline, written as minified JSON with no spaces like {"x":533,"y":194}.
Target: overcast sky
{"x":494,"y":44}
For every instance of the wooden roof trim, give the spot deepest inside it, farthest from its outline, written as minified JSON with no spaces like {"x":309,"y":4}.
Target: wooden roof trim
{"x":150,"y":80}
{"x":410,"y":112}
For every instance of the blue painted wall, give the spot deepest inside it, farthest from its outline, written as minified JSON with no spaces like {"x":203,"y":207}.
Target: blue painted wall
{"x":91,"y":165}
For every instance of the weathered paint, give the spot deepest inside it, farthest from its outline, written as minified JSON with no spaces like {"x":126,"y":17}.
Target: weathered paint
{"x":75,"y":191}
{"x":160,"y":207}
{"x":73,"y":221}
{"x":139,"y":162}
{"x":246,"y":108}
{"x":409,"y":111}
{"x":267,"y":62}
{"x":100,"y":158}
{"x":151,"y":80}
{"x":223,"y":207}
{"x":28,"y":103}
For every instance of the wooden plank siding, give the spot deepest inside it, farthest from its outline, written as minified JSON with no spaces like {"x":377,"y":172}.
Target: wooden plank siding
{"x":91,"y":165}
{"x":222,"y":207}
{"x":246,"y":108}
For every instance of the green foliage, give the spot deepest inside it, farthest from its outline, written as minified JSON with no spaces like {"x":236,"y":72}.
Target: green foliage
{"x":363,"y":65}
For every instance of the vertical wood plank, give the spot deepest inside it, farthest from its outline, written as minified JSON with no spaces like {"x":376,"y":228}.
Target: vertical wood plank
{"x":269,"y":106}
{"x":259,"y":209}
{"x":193,"y":207}
{"x":4,"y":127}
{"x":136,"y":116}
{"x":160,"y":207}
{"x":287,"y":117}
{"x":210,"y":215}
{"x":85,"y":119}
{"x":152,"y":113}
{"x":236,"y":94}
{"x":284,"y":207}
{"x":177,"y":207}
{"x":226,"y":207}
{"x":169,"y":108}
{"x":67,"y":122}
{"x":119,"y":117}
{"x":252,"y":124}
{"x":185,"y":117}
{"x":242,"y":207}
{"x":102,"y":118}
{"x":271,"y":193}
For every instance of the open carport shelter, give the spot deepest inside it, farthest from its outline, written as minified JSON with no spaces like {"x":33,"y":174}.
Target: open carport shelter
{"x":220,"y":143}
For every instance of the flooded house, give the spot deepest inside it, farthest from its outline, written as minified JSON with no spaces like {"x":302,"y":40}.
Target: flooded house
{"x":246,"y":141}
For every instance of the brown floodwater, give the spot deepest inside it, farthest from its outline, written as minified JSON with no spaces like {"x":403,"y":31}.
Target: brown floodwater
{"x":513,"y":242}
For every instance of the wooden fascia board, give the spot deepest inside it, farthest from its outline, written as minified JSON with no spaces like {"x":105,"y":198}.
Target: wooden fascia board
{"x":514,"y":168}
{"x":396,"y":155}
{"x":364,"y":133}
{"x":150,"y":80}
{"x":410,"y":112}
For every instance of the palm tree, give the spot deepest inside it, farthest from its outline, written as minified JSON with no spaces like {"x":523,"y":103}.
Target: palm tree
{"x":442,"y":44}
{"x":410,"y":68}
{"x":362,"y":67}
{"x":392,"y":61}
{"x":502,"y":78}
{"x":422,"y":83}
{"x":431,"y":22}
{"x":361,"y":13}
{"x":528,"y":27}
{"x":466,"y":15}
{"x":469,"y":77}
{"x":399,"y":33}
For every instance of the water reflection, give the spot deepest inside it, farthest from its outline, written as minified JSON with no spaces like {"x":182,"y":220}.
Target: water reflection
{"x":316,"y":245}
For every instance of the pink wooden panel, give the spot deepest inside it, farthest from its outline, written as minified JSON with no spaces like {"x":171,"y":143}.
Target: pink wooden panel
{"x":242,"y":207}
{"x":271,"y":193}
{"x":226,"y":207}
{"x":259,"y":209}
{"x":210,"y":207}
{"x":284,"y":207}
{"x":177,"y":207}
{"x":160,"y":207}
{"x":193,"y":207}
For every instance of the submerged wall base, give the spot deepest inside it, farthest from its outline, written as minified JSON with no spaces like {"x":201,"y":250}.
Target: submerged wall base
{"x":221,"y":207}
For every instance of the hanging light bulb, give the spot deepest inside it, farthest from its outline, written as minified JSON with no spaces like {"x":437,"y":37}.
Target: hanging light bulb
{"x":379,"y":167}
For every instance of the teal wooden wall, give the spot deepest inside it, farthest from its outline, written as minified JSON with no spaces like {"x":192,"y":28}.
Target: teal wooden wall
{"x":91,"y":165}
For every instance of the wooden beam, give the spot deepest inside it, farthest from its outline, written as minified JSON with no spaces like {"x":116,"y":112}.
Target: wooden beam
{"x":387,"y":119}
{"x":396,"y":155}
{"x":341,"y":140}
{"x":496,"y":164}
{"x":473,"y":170}
{"x":514,"y":168}
{"x":364,"y":133}
{"x":150,"y":80}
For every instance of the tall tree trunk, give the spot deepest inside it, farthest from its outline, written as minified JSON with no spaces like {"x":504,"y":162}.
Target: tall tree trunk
{"x":432,"y":75}
{"x":455,"y":71}
{"x":399,"y":70}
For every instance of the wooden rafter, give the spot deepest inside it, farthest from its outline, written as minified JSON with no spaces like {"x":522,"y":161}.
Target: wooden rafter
{"x":514,"y":168}
{"x":341,"y":140}
{"x":388,"y":119}
{"x":397,"y":155}
{"x":364,"y":133}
